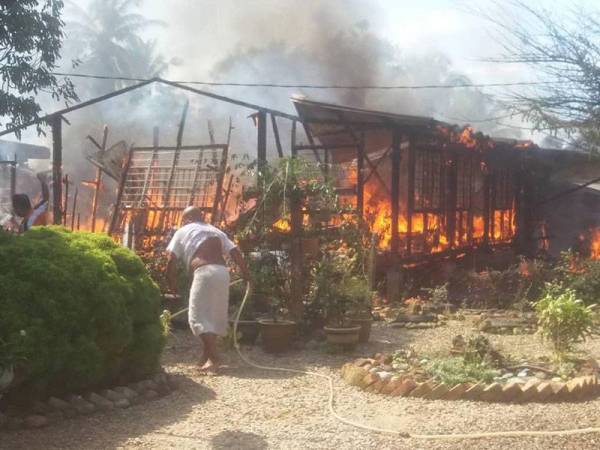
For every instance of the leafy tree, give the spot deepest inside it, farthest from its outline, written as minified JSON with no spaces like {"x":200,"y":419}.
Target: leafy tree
{"x":107,"y":38}
{"x":31,"y":33}
{"x":565,"y":52}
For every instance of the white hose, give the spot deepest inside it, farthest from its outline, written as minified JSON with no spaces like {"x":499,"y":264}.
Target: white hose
{"x":332,"y":411}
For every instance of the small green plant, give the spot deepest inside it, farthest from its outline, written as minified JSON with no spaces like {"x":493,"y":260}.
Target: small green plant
{"x":563,"y":319}
{"x":456,"y":370}
{"x":335,"y":290}
{"x":165,"y":321}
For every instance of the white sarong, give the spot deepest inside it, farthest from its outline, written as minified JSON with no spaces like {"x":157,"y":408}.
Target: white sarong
{"x":209,"y":300}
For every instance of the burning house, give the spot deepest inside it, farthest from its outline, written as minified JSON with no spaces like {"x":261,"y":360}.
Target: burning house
{"x":427,"y":187}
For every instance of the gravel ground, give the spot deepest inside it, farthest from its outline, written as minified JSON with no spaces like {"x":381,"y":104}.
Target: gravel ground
{"x":253,"y":409}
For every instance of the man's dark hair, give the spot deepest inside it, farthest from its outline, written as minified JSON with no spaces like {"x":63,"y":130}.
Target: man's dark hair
{"x":21,"y":202}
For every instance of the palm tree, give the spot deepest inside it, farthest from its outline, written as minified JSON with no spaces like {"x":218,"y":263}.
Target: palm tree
{"x":107,"y":40}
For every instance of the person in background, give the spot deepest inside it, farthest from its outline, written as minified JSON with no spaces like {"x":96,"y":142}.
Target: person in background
{"x":32,"y":215}
{"x":203,"y":247}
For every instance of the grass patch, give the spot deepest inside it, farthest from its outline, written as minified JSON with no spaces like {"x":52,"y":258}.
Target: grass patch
{"x":455,"y":370}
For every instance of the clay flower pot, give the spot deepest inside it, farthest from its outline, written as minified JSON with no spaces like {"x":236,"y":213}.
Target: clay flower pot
{"x":247,"y":331}
{"x":276,"y":335}
{"x":342,"y":335}
{"x":365,"y":329}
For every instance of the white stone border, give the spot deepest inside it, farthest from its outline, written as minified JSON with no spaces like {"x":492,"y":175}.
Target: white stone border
{"x":56,"y":409}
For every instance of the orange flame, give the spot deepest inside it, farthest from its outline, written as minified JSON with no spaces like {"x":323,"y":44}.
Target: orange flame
{"x":595,"y":243}
{"x":282,"y":225}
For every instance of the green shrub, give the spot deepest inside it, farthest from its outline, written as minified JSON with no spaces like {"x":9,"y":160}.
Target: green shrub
{"x":82,"y":311}
{"x":563,"y":319}
{"x":581,"y":275}
{"x":456,"y":370}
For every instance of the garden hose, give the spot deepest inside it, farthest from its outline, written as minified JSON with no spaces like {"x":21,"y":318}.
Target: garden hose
{"x":332,"y":411}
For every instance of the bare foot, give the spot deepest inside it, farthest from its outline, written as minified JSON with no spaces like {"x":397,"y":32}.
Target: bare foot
{"x":211,"y":366}
{"x":202,"y":362}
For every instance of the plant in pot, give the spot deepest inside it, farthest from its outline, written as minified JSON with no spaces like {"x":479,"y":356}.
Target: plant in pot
{"x":360,"y":299}
{"x":328,"y":288}
{"x":271,"y":286}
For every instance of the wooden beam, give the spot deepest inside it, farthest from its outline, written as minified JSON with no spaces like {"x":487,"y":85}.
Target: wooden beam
{"x":226,"y":198}
{"x":74,"y":209}
{"x":261,"y":141}
{"x":487,"y":205}
{"x":167,"y":194}
{"x":51,"y":118}
{"x":293,"y":139}
{"x":410,"y":203}
{"x":451,"y":181}
{"x":124,"y":172}
{"x":98,"y":180}
{"x":66,"y":201}
{"x":155,"y":141}
{"x":360,"y":182}
{"x":396,"y":139}
{"x":315,"y":147}
{"x":56,"y":123}
{"x":215,"y":216}
{"x":312,"y":143}
{"x":276,"y":134}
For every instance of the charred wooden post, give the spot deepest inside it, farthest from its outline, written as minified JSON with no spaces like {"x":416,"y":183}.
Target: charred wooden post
{"x":360,"y":181}
{"x":410,"y":201}
{"x":276,"y":135}
{"x":526,"y":213}
{"x":226,"y":198}
{"x":451,"y":175}
{"x":215,"y":216}
{"x":98,"y":180}
{"x":56,"y":124}
{"x":151,"y":163}
{"x":311,"y":141}
{"x":66,"y":201}
{"x":261,"y":144}
{"x":116,"y":212}
{"x":487,"y":206}
{"x":171,"y":178}
{"x":293,"y":139}
{"x":74,"y":209}
{"x":395,"y":189}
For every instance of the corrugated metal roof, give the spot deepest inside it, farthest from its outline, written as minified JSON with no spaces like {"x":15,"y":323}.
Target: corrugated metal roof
{"x":339,"y":128}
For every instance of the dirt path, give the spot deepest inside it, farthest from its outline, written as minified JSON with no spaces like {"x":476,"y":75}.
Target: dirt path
{"x":253,"y":409}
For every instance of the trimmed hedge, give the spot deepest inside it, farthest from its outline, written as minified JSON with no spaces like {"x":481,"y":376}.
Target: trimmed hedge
{"x":88,"y":308}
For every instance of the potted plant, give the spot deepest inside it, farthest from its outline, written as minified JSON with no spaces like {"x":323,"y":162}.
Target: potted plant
{"x":360,"y":299}
{"x":271,"y":287}
{"x":328,"y":287}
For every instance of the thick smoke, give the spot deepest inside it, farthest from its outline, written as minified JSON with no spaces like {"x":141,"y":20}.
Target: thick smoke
{"x":316,"y":42}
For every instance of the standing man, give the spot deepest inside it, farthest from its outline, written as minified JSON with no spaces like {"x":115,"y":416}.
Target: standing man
{"x":32,"y":215}
{"x":202,"y":248}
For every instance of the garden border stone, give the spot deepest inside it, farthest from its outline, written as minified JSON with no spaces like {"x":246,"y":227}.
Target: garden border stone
{"x":364,"y":374}
{"x":121,"y":397}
